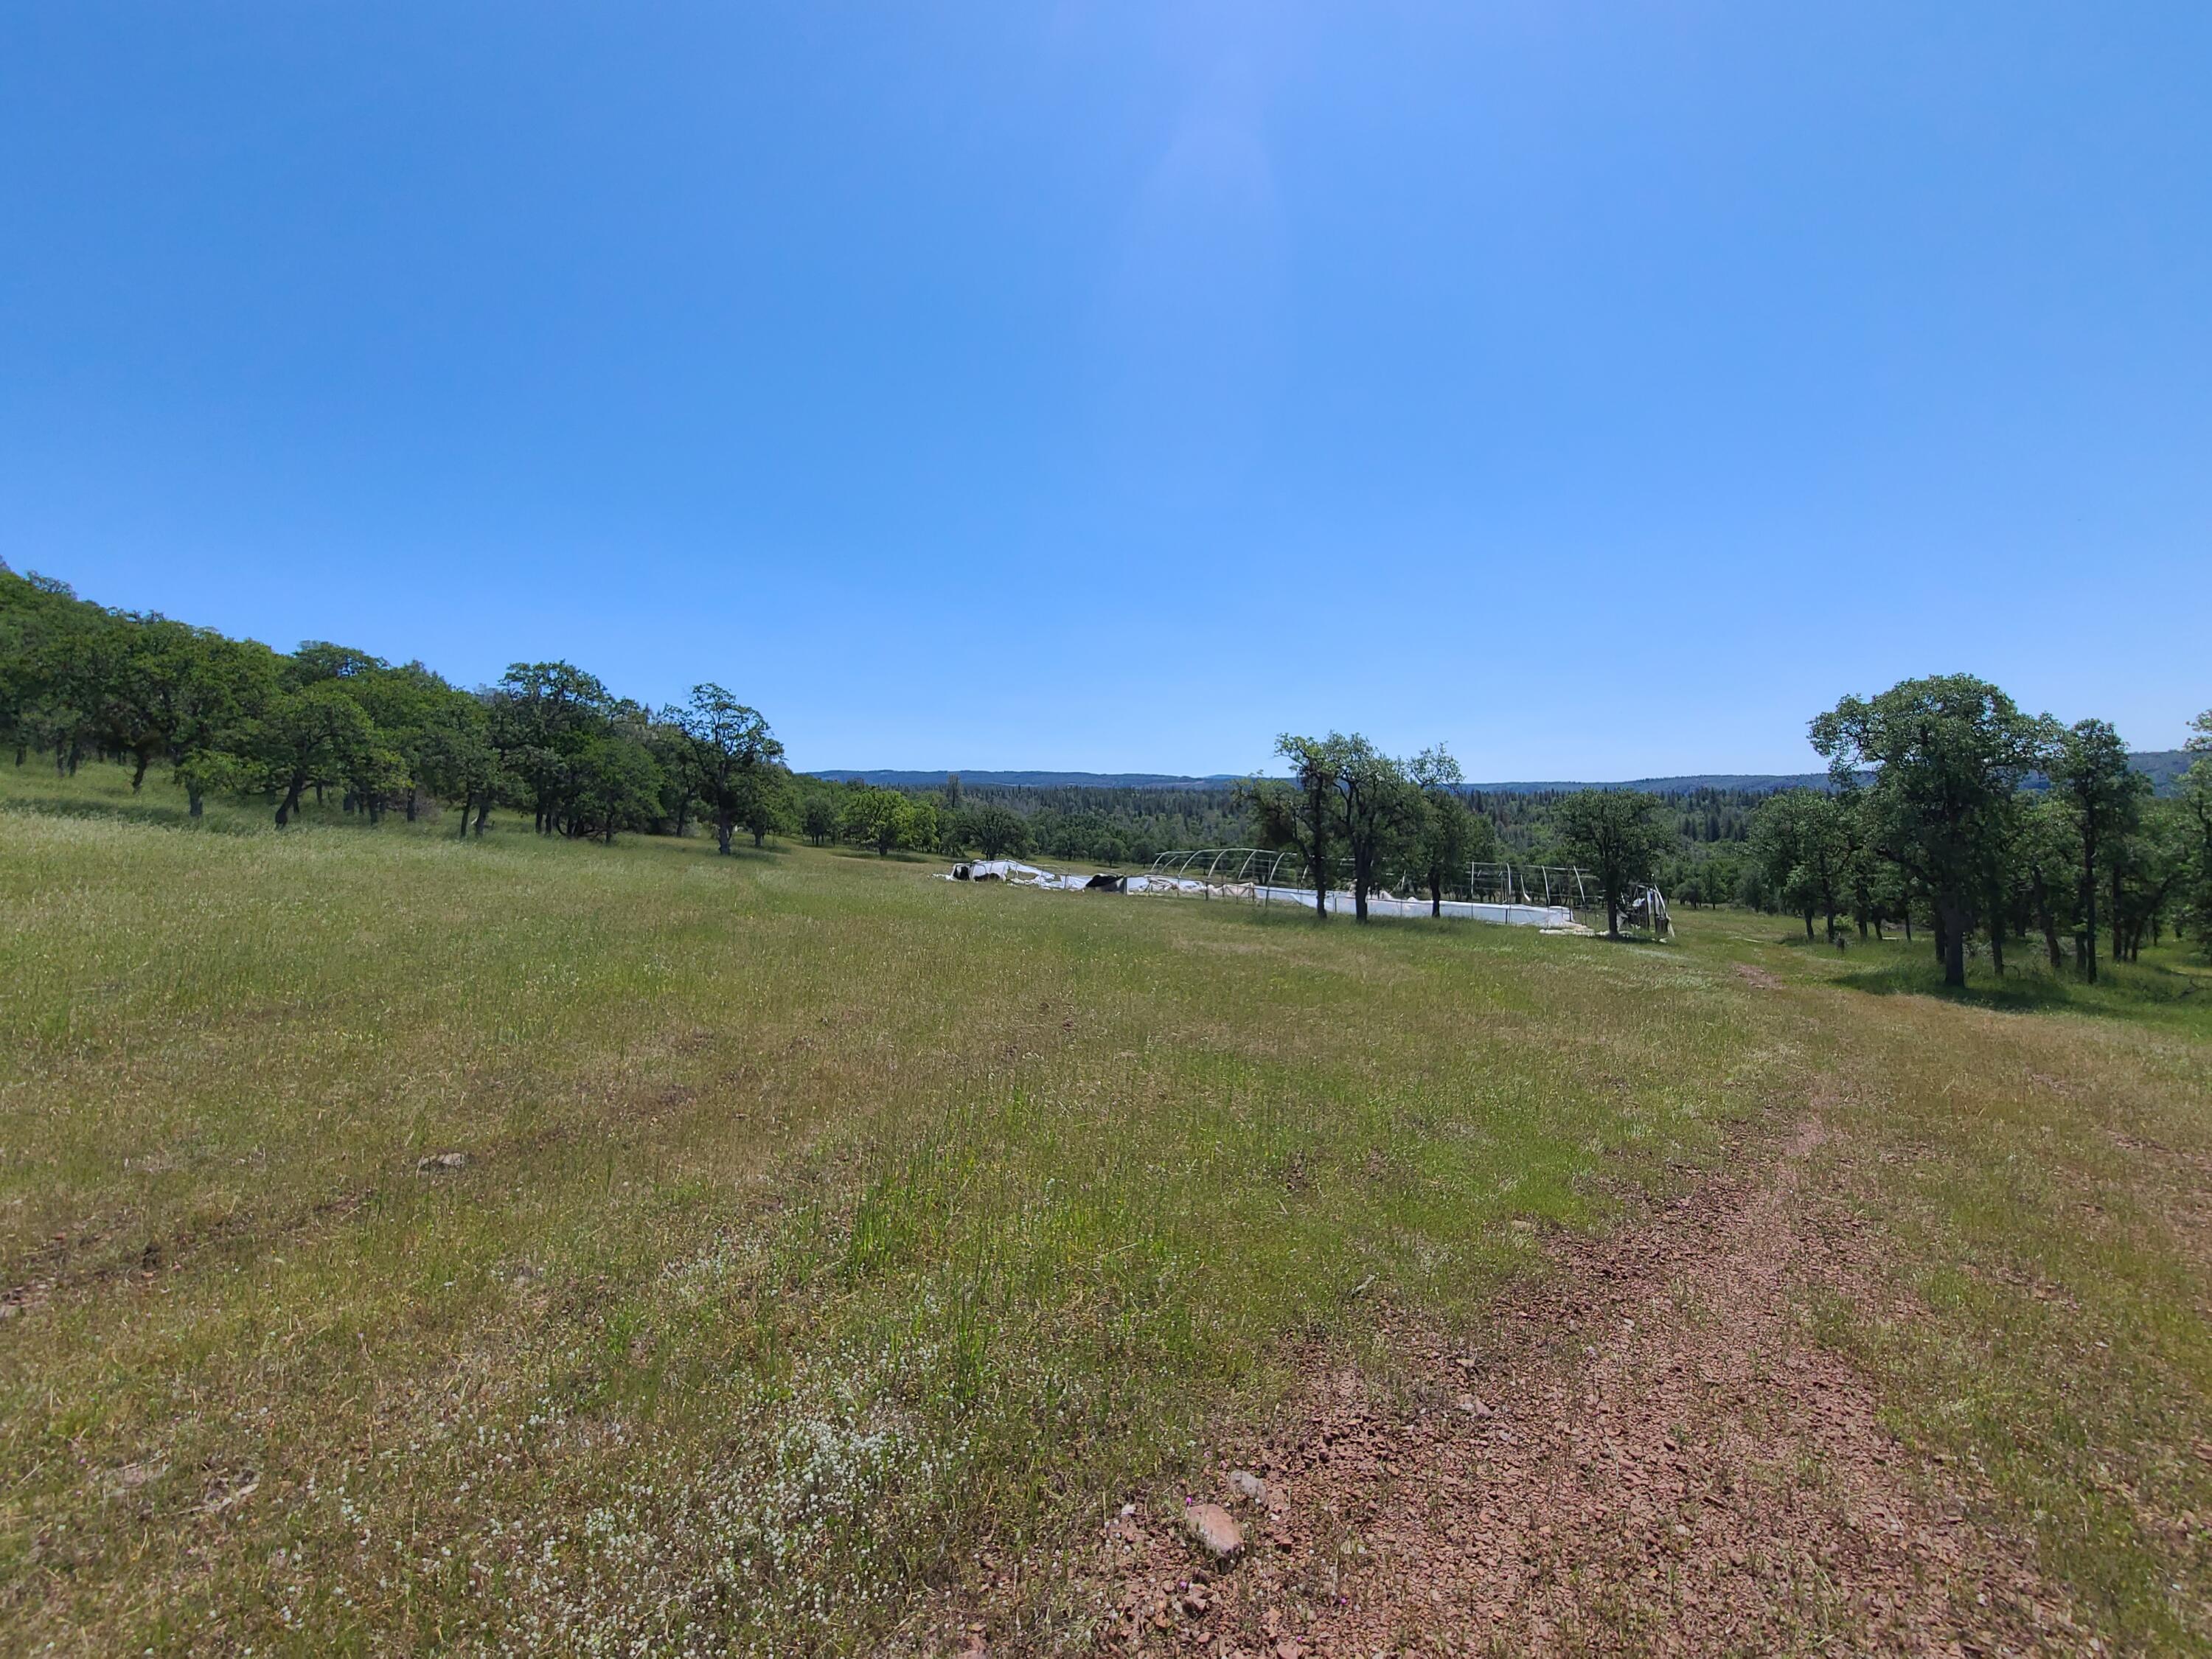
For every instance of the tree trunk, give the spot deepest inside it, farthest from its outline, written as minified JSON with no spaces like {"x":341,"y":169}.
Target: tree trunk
{"x":2045,"y":921}
{"x":138,"y":775}
{"x":1951,"y":925}
{"x":1613,"y":916}
{"x":192,"y":796}
{"x":2086,"y":940}
{"x":1808,"y":926}
{"x":291,"y":801}
{"x":2119,"y":947}
{"x":722,"y":829}
{"x":760,"y":837}
{"x":468,"y":800}
{"x":483,"y":811}
{"x":1435,"y":894}
{"x":414,"y":799}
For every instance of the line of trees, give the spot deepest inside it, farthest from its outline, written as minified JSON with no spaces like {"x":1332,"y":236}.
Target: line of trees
{"x":1707,"y":856}
{"x":1947,"y":806}
{"x":81,"y":681}
{"x":1950,"y":805}
{"x":1373,"y":822}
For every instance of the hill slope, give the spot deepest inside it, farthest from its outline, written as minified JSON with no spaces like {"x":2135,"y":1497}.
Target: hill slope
{"x":2164,"y":767}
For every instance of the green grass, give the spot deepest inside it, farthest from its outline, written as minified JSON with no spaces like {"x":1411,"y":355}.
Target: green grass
{"x":2170,"y":988}
{"x":827,"y":1230}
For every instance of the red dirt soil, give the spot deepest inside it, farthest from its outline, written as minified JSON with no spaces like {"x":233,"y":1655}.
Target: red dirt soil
{"x":1654,"y":1456}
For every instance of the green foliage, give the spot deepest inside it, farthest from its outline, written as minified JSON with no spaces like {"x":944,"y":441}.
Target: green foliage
{"x":995,"y":831}
{"x":613,"y":784}
{"x":2194,"y":834}
{"x":1449,"y":835}
{"x":2104,"y":797}
{"x":732,"y":757}
{"x":1351,"y":810}
{"x":2094,"y":857}
{"x":78,"y":681}
{"x":313,"y":736}
{"x":922,"y":824}
{"x":1615,"y":836}
{"x":455,"y":759}
{"x":817,"y":815}
{"x":877,"y":818}
{"x":1947,"y":756}
{"x":765,"y":804}
{"x":1802,"y":839}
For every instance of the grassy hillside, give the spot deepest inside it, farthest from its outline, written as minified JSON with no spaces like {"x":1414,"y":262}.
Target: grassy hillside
{"x":419,"y":1244}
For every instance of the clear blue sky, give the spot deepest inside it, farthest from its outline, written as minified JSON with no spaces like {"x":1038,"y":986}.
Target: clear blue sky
{"x":1603,"y":388}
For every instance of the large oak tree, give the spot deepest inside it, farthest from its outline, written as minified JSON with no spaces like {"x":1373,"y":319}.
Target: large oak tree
{"x":1938,"y":762}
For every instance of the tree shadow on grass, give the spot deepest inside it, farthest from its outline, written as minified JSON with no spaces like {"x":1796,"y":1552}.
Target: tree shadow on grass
{"x":2123,"y":991}
{"x":161,"y":815}
{"x":740,"y":850}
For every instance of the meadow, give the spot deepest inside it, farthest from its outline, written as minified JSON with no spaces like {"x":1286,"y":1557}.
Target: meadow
{"x":415,"y":1244}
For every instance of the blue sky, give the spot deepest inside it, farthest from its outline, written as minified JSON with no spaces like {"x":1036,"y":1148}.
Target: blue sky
{"x":1602,"y":388}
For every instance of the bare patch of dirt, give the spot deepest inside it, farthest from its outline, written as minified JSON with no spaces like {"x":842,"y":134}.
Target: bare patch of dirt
{"x":1757,"y":976}
{"x":1650,"y":1455}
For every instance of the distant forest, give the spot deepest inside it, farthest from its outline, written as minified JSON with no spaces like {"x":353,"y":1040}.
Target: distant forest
{"x":1133,"y":825}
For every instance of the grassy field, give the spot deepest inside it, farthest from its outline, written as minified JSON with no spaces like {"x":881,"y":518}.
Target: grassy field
{"x":413,"y":1244}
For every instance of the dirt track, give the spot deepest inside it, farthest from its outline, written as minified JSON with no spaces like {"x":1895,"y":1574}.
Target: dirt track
{"x":1651,"y":1456}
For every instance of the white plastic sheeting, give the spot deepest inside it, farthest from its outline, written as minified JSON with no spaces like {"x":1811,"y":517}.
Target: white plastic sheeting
{"x":1000,"y":869}
{"x":1028,"y":875}
{"x":1510,"y":915}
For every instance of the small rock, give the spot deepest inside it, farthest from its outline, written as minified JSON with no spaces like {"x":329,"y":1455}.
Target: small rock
{"x":1215,"y":1529}
{"x":1248,"y":1484}
{"x":1472,"y":1406}
{"x":442,"y":1161}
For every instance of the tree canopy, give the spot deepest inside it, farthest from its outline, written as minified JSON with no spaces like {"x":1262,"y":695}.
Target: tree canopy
{"x":78,"y":680}
{"x":1614,"y":835}
{"x":1947,"y":755}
